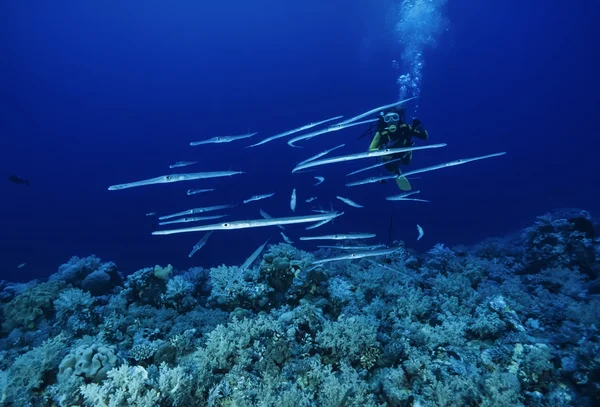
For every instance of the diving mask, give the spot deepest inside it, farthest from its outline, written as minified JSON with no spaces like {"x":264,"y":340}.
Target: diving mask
{"x":391,"y":117}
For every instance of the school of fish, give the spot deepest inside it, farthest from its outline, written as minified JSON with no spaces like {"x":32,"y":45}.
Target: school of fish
{"x":318,"y":217}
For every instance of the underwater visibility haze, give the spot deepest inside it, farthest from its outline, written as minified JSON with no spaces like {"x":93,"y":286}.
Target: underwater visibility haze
{"x":387,"y":203}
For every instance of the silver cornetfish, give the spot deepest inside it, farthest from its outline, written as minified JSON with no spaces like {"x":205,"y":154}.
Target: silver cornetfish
{"x":296,"y":130}
{"x":321,"y":154}
{"x":371,"y":180}
{"x":421,"y":232}
{"x":312,"y":198}
{"x":368,"y":154}
{"x":254,"y":223}
{"x":349,"y":202}
{"x":376,"y":110}
{"x":286,"y":239}
{"x":166,"y":179}
{"x":199,"y":191}
{"x":333,"y":127}
{"x":323,"y":222}
{"x":339,"y":236}
{"x":200,"y":243}
{"x":381,"y":164}
{"x":319,"y":181}
{"x":253,"y":256}
{"x":451,"y":164}
{"x":258,"y":197}
{"x":194,"y":219}
{"x":222,"y":139}
{"x":267,"y":216}
{"x":197,"y":210}
{"x":405,"y":197}
{"x":179,"y":164}
{"x":293,"y":201}
{"x":374,"y":247}
{"x":358,"y":255}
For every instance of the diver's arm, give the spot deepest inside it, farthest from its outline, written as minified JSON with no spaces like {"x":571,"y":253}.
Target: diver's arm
{"x":375,"y":143}
{"x":421,"y":134}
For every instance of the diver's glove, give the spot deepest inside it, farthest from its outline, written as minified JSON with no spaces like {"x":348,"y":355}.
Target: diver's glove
{"x":416,"y":123}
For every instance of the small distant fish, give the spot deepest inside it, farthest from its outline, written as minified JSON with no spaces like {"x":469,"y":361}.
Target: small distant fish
{"x":259,"y":197}
{"x":201,"y":243}
{"x":293,"y":201}
{"x":349,"y":202}
{"x":222,"y":139}
{"x":21,"y":265}
{"x":151,"y":214}
{"x":253,"y":256}
{"x":421,"y":232}
{"x":320,"y":180}
{"x":198,"y":191}
{"x":179,"y":164}
{"x":18,"y":180}
{"x":312,"y":198}
{"x":285,"y":238}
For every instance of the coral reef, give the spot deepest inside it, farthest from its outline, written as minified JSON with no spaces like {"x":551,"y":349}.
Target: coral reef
{"x":507,"y":322}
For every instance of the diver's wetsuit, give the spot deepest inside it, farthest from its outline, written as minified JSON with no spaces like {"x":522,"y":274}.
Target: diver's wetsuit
{"x":397,"y":135}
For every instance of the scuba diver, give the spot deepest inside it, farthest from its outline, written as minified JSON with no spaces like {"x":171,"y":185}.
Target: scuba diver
{"x":393,"y":132}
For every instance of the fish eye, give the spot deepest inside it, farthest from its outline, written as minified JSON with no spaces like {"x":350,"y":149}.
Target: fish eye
{"x":167,"y":177}
{"x":225,"y":225}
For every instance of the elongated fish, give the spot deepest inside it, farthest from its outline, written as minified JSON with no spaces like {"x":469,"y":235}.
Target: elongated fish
{"x":381,"y":164}
{"x":405,"y":197}
{"x":319,"y":181}
{"x":356,"y":248}
{"x":222,"y":139}
{"x":293,"y":201}
{"x":376,"y":110}
{"x":451,"y":164}
{"x":258,"y":197}
{"x":267,"y":216}
{"x":316,"y":225}
{"x":360,"y":156}
{"x":193,"y":219}
{"x":421,"y":232}
{"x":200,"y":243}
{"x":340,"y":236}
{"x":286,"y":239}
{"x":321,"y":154}
{"x":151,"y":214}
{"x":254,"y":223}
{"x":253,"y":256}
{"x":179,"y":164}
{"x":349,"y":202}
{"x":296,"y":130}
{"x":197,"y":210}
{"x":358,"y":255}
{"x":199,"y":191}
{"x":312,"y":198}
{"x":402,"y":196}
{"x":166,"y":179}
{"x":334,"y":127}
{"x":371,"y":180}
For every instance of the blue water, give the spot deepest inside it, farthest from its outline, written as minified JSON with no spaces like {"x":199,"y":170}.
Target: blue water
{"x":94,"y":95}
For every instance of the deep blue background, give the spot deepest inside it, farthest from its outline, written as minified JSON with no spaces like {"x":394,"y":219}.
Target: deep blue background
{"x":93,"y":95}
